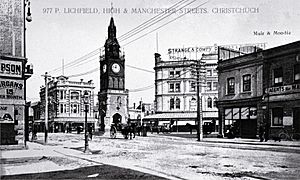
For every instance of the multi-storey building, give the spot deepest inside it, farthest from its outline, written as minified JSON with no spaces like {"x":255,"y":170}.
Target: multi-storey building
{"x":175,"y":92}
{"x":260,"y":89}
{"x":66,"y":105}
{"x":281,"y":84}
{"x":240,"y":92}
{"x":14,"y":72}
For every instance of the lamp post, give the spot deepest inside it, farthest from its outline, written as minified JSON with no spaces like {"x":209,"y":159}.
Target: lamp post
{"x":86,"y":102}
{"x":28,"y":18}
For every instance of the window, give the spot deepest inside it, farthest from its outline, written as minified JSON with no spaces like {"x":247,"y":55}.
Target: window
{"x":209,"y":72}
{"x":174,"y":87}
{"x":171,"y":74}
{"x":177,"y":103}
{"x":278,"y":73}
{"x":209,"y":102}
{"x":75,"y":108}
{"x":215,"y":86}
{"x":61,"y":94}
{"x":215,"y":73}
{"x":277,"y":116}
{"x":171,"y":89}
{"x":192,"y":86}
{"x":297,"y":73}
{"x":61,"y":108}
{"x":215,"y":102}
{"x":230,"y":85}
{"x":193,"y":104}
{"x":172,"y":103}
{"x":177,"y":87}
{"x":74,"y":96}
{"x":177,"y":73}
{"x":247,"y":83}
{"x":208,"y":86}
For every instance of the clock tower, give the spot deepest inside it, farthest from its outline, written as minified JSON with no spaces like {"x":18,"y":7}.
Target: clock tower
{"x":112,"y":97}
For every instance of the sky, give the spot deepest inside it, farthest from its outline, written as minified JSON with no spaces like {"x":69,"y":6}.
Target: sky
{"x":57,"y":35}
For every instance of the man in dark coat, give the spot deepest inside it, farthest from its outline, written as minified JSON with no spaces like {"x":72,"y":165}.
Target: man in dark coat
{"x":261,"y":132}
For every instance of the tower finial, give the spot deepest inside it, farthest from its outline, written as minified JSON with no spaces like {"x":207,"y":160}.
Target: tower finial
{"x":111,"y":9}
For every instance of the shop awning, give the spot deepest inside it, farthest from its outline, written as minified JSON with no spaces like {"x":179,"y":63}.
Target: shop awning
{"x":74,"y":120}
{"x":68,"y":119}
{"x":206,"y":115}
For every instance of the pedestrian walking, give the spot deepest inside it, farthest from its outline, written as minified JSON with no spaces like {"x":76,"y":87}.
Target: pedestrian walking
{"x":261,"y":131}
{"x":267,"y":132}
{"x":90,"y":132}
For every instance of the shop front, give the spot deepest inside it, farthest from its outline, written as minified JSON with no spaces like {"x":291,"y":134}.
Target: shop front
{"x":12,"y":101}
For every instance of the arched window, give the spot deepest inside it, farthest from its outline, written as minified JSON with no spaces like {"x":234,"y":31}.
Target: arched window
{"x":209,"y":102}
{"x":215,"y":102}
{"x":193,"y":104}
{"x":75,"y":95}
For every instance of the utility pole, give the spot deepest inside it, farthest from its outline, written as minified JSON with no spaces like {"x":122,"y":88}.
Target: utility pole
{"x":141,"y":105}
{"x":86,"y":105}
{"x":199,"y":101}
{"x":46,"y":105}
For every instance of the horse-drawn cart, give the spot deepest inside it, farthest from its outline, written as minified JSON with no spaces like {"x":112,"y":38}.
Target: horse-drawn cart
{"x":125,"y":129}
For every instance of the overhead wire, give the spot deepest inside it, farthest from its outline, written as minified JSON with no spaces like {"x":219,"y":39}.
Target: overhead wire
{"x":155,"y":18}
{"x":161,"y":26}
{"x":91,"y":54}
{"x":166,"y":81}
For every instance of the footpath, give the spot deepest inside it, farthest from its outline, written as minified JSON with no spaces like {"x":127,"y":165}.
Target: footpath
{"x":40,"y":161}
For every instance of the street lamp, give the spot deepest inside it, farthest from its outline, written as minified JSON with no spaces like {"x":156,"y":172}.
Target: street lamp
{"x":86,"y":102}
{"x":28,"y":19}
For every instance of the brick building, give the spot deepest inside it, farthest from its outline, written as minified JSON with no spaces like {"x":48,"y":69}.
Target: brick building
{"x":240,"y":91}
{"x":281,"y":83}
{"x":260,"y":88}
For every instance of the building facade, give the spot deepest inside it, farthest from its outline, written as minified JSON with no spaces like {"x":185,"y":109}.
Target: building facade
{"x":14,"y":72}
{"x":281,"y":84}
{"x":260,"y":89}
{"x":112,"y":97}
{"x":66,"y":108}
{"x":176,"y":95}
{"x":240,"y":92}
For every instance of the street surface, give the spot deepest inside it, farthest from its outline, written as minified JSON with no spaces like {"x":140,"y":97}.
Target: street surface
{"x":165,"y":156}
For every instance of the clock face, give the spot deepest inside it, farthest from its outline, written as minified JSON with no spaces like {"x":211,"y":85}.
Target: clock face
{"x":104,"y":68}
{"x":115,"y":68}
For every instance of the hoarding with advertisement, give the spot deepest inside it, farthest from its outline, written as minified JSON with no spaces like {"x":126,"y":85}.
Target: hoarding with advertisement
{"x":10,"y":68}
{"x":11,"y":89}
{"x":6,"y":113}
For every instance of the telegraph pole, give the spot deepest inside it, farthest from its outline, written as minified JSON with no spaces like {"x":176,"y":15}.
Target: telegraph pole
{"x":141,"y":112}
{"x":46,"y":105}
{"x":199,"y":102}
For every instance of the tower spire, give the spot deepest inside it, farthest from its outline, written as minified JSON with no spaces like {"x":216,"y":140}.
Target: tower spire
{"x":112,"y":29}
{"x":112,"y":45}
